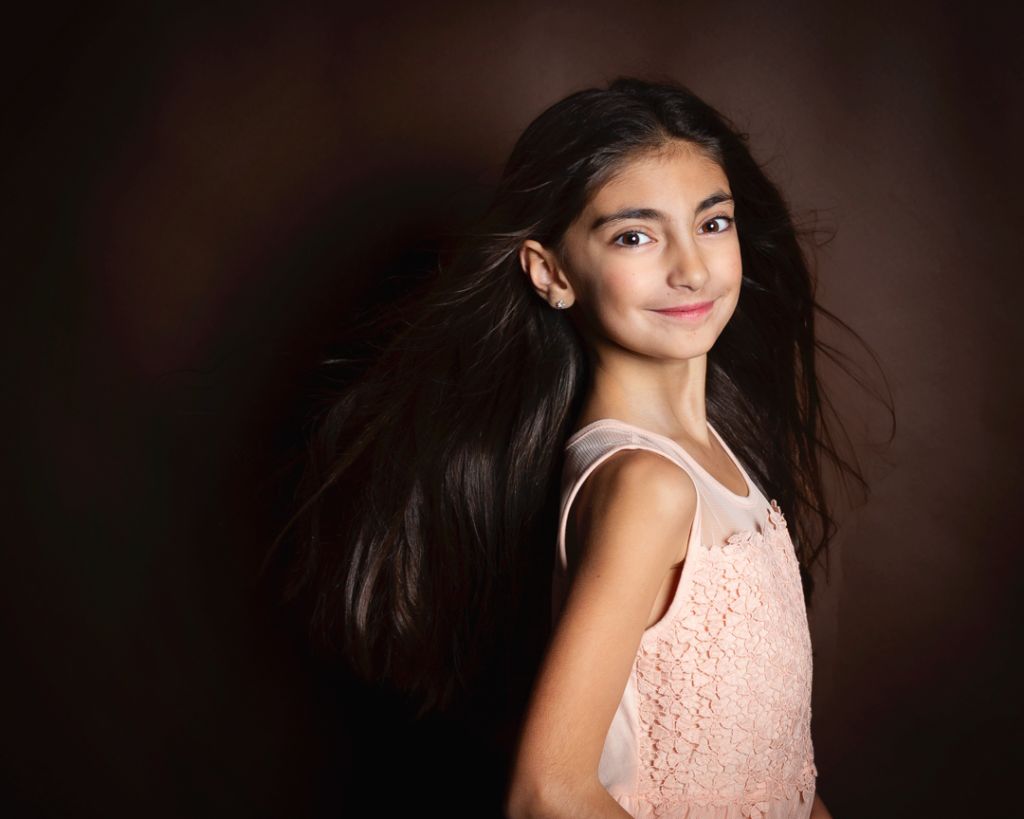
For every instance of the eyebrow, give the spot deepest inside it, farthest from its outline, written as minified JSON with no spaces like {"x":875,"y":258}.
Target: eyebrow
{"x":652,"y":213}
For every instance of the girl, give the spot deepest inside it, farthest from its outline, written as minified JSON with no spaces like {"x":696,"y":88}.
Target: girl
{"x":634,"y":297}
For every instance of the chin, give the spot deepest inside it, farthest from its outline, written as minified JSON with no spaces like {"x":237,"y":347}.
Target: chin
{"x":684,"y":353}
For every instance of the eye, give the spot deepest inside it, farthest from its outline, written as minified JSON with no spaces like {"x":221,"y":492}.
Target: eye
{"x":615,"y":241}
{"x":727,"y":219}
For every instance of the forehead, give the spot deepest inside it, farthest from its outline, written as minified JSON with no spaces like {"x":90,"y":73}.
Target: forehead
{"x":679,"y":171}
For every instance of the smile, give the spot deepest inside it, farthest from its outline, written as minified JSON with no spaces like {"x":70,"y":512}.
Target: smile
{"x":693,"y":312}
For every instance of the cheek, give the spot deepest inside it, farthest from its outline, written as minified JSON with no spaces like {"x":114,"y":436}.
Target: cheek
{"x":732,"y":281}
{"x":735,"y":278}
{"x":728,"y":270}
{"x":619,"y":287}
{"x":728,"y":261}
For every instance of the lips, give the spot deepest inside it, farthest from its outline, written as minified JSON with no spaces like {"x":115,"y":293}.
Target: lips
{"x":696,"y":307}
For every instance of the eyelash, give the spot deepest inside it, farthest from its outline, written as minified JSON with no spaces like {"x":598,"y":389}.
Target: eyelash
{"x":730,"y":219}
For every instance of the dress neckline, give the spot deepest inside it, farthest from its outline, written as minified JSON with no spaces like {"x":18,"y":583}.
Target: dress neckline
{"x":745,"y":500}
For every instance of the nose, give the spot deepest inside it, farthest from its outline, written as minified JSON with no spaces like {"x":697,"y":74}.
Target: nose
{"x":686,"y":266}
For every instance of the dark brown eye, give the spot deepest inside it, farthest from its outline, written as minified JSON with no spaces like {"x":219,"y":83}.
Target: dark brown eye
{"x":615,"y":241}
{"x":727,"y":219}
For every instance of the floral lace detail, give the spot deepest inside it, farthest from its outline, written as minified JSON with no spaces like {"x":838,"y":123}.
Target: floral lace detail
{"x":725,"y":688}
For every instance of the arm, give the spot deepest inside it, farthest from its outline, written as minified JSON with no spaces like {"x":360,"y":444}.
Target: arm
{"x":638,"y":510}
{"x":818,"y":809}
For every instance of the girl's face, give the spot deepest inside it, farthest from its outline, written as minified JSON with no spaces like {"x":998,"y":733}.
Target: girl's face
{"x":658,"y":237}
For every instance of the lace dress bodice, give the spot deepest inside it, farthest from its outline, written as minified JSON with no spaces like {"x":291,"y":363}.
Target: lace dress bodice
{"x":714,"y":721}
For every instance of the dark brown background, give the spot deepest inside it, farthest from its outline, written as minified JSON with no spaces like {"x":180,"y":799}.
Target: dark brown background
{"x":201,"y":198}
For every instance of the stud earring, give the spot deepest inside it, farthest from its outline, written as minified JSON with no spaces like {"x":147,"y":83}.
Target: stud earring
{"x":559,"y":304}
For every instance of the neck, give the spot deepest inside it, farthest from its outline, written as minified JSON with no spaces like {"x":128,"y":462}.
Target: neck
{"x":663,"y":396}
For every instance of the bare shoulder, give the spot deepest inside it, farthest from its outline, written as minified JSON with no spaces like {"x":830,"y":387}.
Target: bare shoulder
{"x":640,"y":492}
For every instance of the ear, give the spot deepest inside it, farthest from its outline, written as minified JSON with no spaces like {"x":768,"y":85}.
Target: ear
{"x":547,"y":275}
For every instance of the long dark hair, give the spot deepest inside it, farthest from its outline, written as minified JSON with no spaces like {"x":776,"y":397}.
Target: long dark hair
{"x":431,"y":480}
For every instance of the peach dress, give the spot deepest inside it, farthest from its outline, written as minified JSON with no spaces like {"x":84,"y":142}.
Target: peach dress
{"x":715,"y":718}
